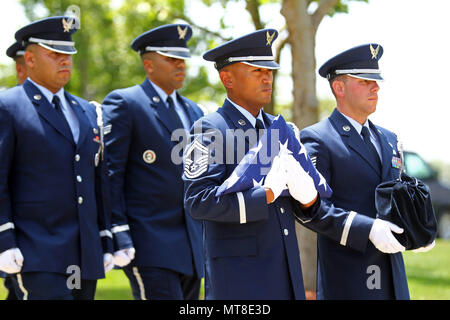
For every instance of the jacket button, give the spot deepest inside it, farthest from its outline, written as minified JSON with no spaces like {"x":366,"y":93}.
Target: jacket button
{"x":80,"y":200}
{"x":286,"y":232}
{"x":77,"y":157}
{"x":282,"y":210}
{"x":79,"y":179}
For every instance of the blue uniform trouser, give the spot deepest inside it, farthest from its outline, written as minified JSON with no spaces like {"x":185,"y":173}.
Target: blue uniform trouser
{"x":51,"y":286}
{"x":151,"y":283}
{"x":9,"y":286}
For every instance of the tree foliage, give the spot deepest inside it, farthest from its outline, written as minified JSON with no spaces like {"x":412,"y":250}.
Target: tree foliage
{"x":105,"y":60}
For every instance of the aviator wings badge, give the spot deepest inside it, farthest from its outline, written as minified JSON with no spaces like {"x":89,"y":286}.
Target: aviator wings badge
{"x":67,"y":25}
{"x":374,"y":52}
{"x":181,"y":32}
{"x":269,"y":38}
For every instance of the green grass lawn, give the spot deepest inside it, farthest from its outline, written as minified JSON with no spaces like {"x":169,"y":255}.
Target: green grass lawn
{"x":428,"y":277}
{"x":429,"y":272}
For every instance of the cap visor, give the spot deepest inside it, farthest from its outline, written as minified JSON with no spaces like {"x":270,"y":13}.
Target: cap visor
{"x":263,"y":64}
{"x":367,"y":76}
{"x":59,"y":49}
{"x":175,"y":54}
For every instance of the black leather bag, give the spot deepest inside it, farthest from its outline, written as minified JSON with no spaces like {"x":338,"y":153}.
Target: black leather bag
{"x":406,"y":202}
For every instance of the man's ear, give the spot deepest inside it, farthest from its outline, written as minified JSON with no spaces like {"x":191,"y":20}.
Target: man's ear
{"x":29,"y":58}
{"x":226,"y":78}
{"x":338,"y":88}
{"x":148,"y":66}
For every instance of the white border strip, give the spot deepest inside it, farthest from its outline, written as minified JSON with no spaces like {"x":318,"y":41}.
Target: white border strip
{"x":140,"y":283}
{"x":242,"y":213}
{"x":106,"y":233}
{"x":124,"y":227}
{"x":6,"y":226}
{"x":347,"y":226}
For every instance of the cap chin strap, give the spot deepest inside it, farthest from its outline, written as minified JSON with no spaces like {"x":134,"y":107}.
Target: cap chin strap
{"x":258,"y":66}
{"x":180,"y":49}
{"x":347,"y":71}
{"x":56,"y":50}
{"x":250,"y":58}
{"x":52,"y":42}
{"x":222,"y":63}
{"x":364,"y":78}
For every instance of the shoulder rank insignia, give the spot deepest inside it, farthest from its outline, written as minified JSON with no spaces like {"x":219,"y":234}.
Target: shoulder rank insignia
{"x":196,"y":160}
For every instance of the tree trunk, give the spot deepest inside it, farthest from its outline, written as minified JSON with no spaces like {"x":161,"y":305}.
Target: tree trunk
{"x":302,"y":42}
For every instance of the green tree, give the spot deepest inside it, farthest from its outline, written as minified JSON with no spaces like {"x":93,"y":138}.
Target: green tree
{"x":104,"y":60}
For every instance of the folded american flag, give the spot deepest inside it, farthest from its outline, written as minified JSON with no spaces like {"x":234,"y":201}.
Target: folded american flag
{"x":255,"y":165}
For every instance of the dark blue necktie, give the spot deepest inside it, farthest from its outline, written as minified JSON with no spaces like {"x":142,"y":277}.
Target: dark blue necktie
{"x":372,"y":150}
{"x":58,"y":107}
{"x":259,"y":126}
{"x":173,"y":113}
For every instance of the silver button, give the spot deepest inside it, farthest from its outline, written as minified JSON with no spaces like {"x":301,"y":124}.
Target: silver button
{"x":79,"y":179}
{"x":77,"y":157}
{"x":286,"y":232}
{"x":282,"y":210}
{"x":80,"y":200}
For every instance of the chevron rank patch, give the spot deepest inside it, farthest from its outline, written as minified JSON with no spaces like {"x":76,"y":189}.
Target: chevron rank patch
{"x":196,"y":160}
{"x":313,"y":160}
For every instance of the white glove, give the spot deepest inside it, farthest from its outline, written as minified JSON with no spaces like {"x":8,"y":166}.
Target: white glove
{"x":11,"y":260}
{"x":108,"y":262}
{"x":124,"y":257}
{"x":426,"y":248}
{"x":301,"y":185}
{"x":382,"y":237}
{"x":276,"y":178}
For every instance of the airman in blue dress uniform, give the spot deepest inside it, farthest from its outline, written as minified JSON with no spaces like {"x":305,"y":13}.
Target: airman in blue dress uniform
{"x":54,"y":218}
{"x":16,"y":52}
{"x":355,"y":155}
{"x":250,"y":243}
{"x":158,"y":245}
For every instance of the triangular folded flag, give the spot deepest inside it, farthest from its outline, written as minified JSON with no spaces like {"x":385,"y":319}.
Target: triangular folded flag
{"x":253,"y":168}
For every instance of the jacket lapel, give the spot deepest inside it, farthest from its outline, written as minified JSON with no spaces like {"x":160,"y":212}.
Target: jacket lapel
{"x":238,"y":119}
{"x":386,"y":152}
{"x":160,"y":108}
{"x":46,"y":110}
{"x":352,"y":138}
{"x":187,"y":109}
{"x":81,"y":115}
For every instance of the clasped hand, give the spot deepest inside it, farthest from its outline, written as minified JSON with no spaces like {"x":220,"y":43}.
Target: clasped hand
{"x":287,"y":173}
